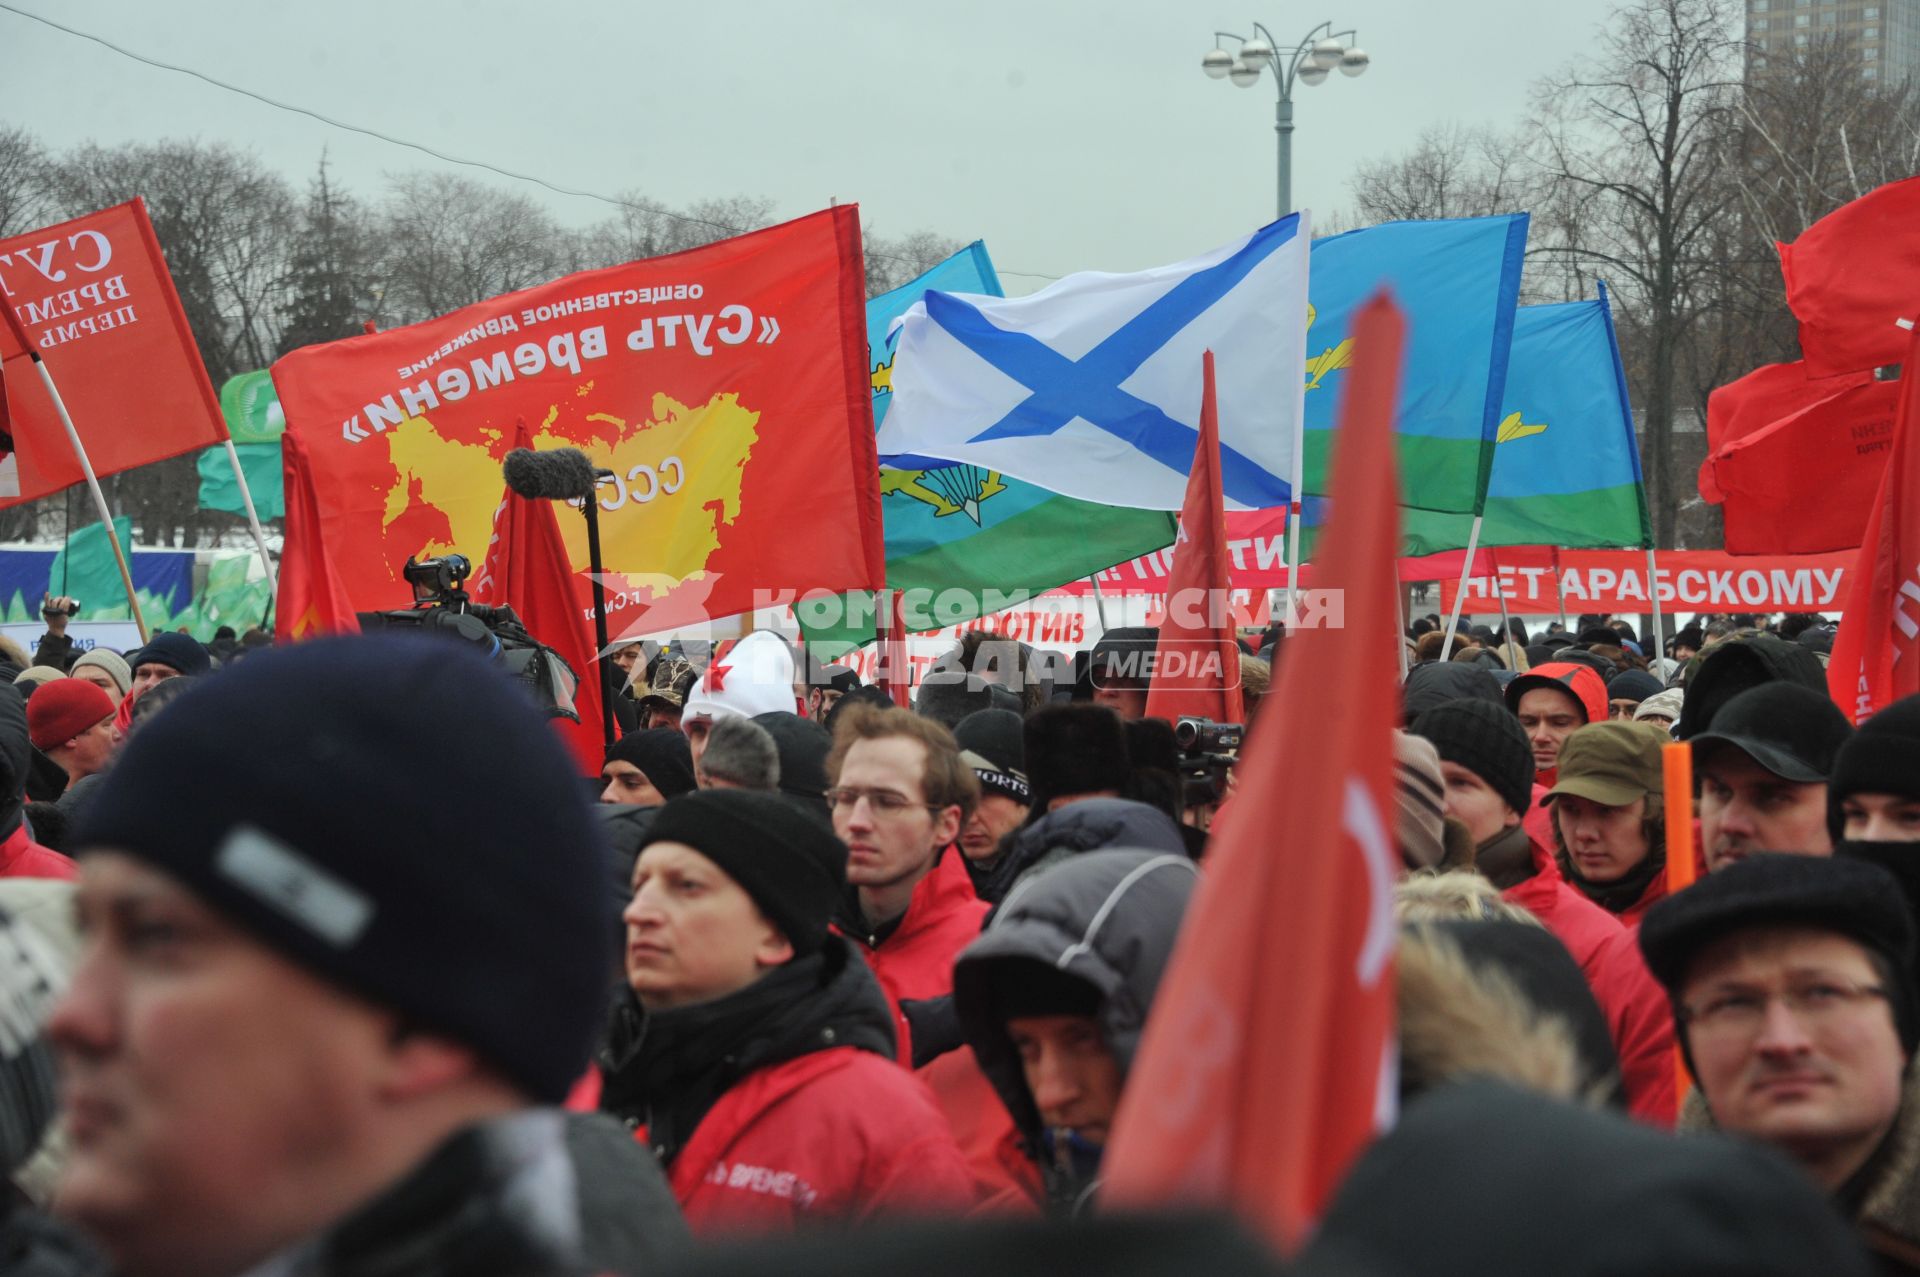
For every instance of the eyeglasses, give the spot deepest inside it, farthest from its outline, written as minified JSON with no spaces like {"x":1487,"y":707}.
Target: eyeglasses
{"x":883,"y":801}
{"x":1737,"y":1017}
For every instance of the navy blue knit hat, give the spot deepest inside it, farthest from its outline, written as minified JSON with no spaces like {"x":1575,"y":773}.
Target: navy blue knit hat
{"x":391,"y":814}
{"x":180,"y":652}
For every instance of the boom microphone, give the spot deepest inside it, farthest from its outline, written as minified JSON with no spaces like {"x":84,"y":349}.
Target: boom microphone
{"x":563,"y":474}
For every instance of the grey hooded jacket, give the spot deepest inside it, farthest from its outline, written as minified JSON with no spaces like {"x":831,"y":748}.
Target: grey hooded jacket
{"x":1106,"y":917}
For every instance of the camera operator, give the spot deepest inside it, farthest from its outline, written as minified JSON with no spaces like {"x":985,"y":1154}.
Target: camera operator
{"x":56,"y":649}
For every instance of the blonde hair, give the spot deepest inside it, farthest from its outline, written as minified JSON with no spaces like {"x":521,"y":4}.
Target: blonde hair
{"x":1439,"y":895}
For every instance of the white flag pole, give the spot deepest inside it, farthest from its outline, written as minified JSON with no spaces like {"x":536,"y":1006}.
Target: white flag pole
{"x":1099,"y":603}
{"x":1400,"y":606}
{"x":253,"y":519}
{"x":1460,"y":595}
{"x":1658,"y":649}
{"x":93,"y":485}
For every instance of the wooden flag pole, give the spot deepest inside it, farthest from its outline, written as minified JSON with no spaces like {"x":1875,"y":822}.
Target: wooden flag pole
{"x":253,"y":518}
{"x":1099,"y":603}
{"x":1500,"y":594}
{"x":86,"y":463}
{"x":1558,"y":597}
{"x":1400,"y":607}
{"x":1460,"y":595}
{"x":1659,"y":648}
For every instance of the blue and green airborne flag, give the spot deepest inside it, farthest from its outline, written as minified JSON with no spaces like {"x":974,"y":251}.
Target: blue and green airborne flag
{"x":966,"y":528}
{"x":252,"y":410}
{"x":1458,"y":283}
{"x":1566,"y":467}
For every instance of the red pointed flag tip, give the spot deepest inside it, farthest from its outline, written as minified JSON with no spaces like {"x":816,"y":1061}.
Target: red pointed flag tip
{"x":312,"y":601}
{"x":1874,"y":662}
{"x":1268,"y":1063}
{"x":527,"y":569}
{"x":1196,"y":663}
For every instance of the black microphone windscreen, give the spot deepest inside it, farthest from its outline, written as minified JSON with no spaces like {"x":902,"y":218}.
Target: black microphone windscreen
{"x":564,"y":474}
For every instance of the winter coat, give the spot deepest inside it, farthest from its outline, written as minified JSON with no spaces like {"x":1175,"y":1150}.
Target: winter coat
{"x":1107,"y":917}
{"x":1886,"y":1189}
{"x":1636,"y":1008}
{"x":1482,"y":1178}
{"x":781,"y":1103}
{"x":22,"y":857}
{"x":498,"y":1199}
{"x":913,"y":960}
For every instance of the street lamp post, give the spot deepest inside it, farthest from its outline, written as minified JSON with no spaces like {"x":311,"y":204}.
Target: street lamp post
{"x":1307,"y":62}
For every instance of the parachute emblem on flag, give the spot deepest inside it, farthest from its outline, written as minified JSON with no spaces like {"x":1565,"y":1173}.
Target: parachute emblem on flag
{"x":1512,"y":427}
{"x":948,"y":489}
{"x":1328,"y":361}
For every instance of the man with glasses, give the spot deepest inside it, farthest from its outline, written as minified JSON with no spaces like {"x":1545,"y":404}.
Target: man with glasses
{"x":900,"y":793}
{"x":1794,"y":1008}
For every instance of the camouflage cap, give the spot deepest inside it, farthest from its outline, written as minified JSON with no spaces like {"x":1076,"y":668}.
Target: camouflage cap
{"x":673,"y":678}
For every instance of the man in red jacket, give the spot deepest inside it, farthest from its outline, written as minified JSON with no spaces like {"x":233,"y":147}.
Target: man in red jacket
{"x":1487,"y":763}
{"x":900,"y":794}
{"x":1552,"y":702}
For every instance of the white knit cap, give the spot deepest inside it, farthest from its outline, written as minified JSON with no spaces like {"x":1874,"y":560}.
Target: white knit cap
{"x":754,"y":676}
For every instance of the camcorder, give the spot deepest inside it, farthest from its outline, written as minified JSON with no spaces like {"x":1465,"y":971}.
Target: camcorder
{"x":442,"y":607}
{"x":1208,"y":751}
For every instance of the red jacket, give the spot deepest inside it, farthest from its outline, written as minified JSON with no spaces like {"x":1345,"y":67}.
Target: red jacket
{"x":1608,"y":954}
{"x":916,"y":960}
{"x":22,"y":857}
{"x":840,"y":1135}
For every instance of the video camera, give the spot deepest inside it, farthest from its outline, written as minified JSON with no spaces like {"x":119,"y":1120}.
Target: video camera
{"x":1208,"y":751}
{"x":441,"y":606}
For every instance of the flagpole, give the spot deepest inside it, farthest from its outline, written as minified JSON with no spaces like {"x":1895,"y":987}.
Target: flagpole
{"x":1558,"y":597}
{"x":1460,"y":595}
{"x":1500,"y":594}
{"x":1400,"y":609}
{"x":1099,"y":601}
{"x":253,"y":518}
{"x":1653,"y":592}
{"x":86,"y":463}
{"x":1297,"y":466}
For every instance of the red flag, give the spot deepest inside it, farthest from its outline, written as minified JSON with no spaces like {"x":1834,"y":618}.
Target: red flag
{"x":95,"y":302}
{"x":311,"y":600}
{"x":1873,"y":662}
{"x":1770,"y":393}
{"x":1196,"y":663}
{"x":1853,"y":277}
{"x":1804,"y":484}
{"x":726,"y":387}
{"x":1267,"y":1064}
{"x":527,"y":570}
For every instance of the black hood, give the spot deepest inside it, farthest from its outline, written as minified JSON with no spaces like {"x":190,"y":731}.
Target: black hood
{"x":1438,"y":682}
{"x":1093,"y":824}
{"x":1546,"y":1187}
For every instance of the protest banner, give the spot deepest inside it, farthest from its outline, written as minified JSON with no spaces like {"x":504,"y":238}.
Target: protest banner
{"x":725,"y":388}
{"x":1688,"y":581}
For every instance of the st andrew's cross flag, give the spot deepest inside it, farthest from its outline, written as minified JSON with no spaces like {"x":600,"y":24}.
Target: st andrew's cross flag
{"x":1566,"y":466}
{"x":1091,"y":386}
{"x":963,"y":535}
{"x":95,"y":301}
{"x":725,"y":387}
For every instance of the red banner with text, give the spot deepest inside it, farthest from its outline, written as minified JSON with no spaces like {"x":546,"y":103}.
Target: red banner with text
{"x":1531,"y":580}
{"x":97,"y":304}
{"x":725,"y":388}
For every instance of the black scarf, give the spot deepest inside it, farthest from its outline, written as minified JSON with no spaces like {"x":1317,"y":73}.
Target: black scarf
{"x":1620,"y":896}
{"x":669,"y":1068}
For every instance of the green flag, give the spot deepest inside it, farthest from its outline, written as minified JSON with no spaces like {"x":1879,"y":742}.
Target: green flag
{"x":85,"y":569}
{"x":252,"y":410}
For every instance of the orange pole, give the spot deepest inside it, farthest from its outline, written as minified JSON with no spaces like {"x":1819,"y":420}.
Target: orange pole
{"x":1676,"y":765}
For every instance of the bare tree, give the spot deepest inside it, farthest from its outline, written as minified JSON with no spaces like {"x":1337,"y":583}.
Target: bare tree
{"x":25,"y":180}
{"x":1640,"y":140}
{"x":450,"y":242}
{"x":893,"y":262}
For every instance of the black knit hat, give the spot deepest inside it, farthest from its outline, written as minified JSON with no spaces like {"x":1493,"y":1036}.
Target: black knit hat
{"x":1486,"y":740}
{"x":179,"y":652}
{"x":998,"y":735}
{"x":1858,"y":900}
{"x":1881,"y":757}
{"x":391,"y":814}
{"x":1438,"y":682}
{"x":662,"y":755}
{"x":1633,"y":685}
{"x":1075,"y":749}
{"x":1792,"y":731}
{"x":793,"y":867}
{"x":803,"y":746}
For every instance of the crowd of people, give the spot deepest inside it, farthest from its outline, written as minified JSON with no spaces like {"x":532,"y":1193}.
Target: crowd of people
{"x":325,"y":960}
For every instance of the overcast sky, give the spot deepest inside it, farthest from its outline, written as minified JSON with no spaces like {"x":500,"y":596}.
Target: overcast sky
{"x":1070,"y":136}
